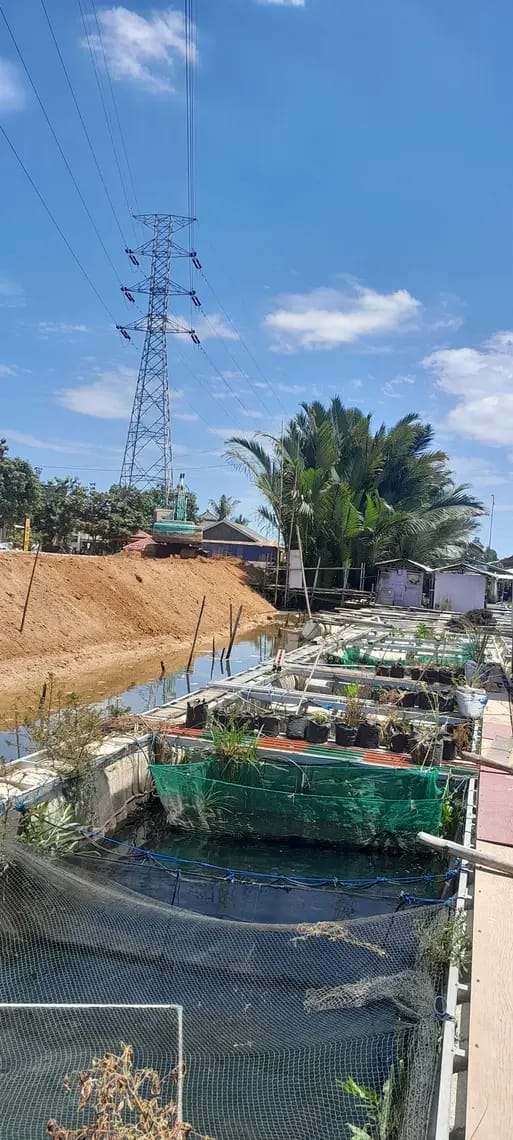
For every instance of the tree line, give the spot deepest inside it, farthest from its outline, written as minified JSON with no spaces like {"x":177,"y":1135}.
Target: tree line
{"x":357,"y":495}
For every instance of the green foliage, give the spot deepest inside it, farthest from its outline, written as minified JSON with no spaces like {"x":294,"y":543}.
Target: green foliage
{"x":423,"y":631}
{"x":54,"y":831}
{"x":358,"y":495}
{"x":67,"y":734}
{"x":231,"y":744}
{"x":20,"y":491}
{"x":383,"y":1109}
{"x":446,"y":944}
{"x":224,"y":507}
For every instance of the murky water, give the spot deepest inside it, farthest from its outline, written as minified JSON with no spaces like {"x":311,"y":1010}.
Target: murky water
{"x":159,"y":687}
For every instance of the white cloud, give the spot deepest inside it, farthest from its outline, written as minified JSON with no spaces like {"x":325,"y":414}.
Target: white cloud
{"x":66,"y":447}
{"x":391,"y":387}
{"x":482,"y":380}
{"x":357,"y":383}
{"x":294,"y":389}
{"x":108,"y":397}
{"x":62,"y":327}
{"x":7,"y":370}
{"x":329,"y":318}
{"x":211,"y":326}
{"x":13,"y":94}
{"x":141,"y":49}
{"x":227,"y":432}
{"x":481,"y":472}
{"x":252,"y":414}
{"x":187,"y":417}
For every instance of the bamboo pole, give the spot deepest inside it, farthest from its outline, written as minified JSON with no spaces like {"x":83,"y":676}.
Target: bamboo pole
{"x":233,"y":633}
{"x":470,"y":854}
{"x":475,"y":758}
{"x":29,"y":588}
{"x":231,"y":619}
{"x":316,"y":579}
{"x":195,"y":638}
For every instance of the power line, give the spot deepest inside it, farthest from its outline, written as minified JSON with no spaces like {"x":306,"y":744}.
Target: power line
{"x":115,"y":105}
{"x":82,"y":121}
{"x":58,"y":143}
{"x":105,"y":112}
{"x":242,"y":371}
{"x":56,"y":224}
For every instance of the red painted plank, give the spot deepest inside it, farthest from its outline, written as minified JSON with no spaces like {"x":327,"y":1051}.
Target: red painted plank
{"x":495,"y":810}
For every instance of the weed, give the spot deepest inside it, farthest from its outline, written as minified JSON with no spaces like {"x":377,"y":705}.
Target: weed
{"x":67,"y":736}
{"x":423,"y":631}
{"x":54,"y":831}
{"x":384,"y":1110}
{"x":123,"y":1103}
{"x":445,"y":945}
{"x":232,"y":746}
{"x":116,"y":709}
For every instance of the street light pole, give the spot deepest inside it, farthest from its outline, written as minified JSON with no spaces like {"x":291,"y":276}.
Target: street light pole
{"x":491,"y":522}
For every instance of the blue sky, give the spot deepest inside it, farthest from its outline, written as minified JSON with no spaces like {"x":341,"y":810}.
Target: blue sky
{"x":353,"y":195}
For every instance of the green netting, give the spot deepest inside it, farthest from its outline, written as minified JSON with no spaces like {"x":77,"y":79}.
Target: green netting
{"x":331,"y":803}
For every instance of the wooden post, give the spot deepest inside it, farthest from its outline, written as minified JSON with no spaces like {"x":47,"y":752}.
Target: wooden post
{"x":475,"y":758}
{"x":231,"y":619}
{"x":233,"y":633}
{"x":316,"y":579}
{"x":195,"y":638}
{"x":303,"y":575}
{"x":468,"y":853}
{"x":29,"y":588}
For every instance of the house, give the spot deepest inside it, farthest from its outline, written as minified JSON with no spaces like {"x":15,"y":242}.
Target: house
{"x":224,"y":536}
{"x":401,"y":582}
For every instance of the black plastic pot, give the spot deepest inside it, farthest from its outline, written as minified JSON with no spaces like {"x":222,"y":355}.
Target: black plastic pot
{"x":445,"y":702}
{"x":382,"y":670}
{"x":296,"y":727}
{"x":397,"y":670}
{"x":269,"y":725}
{"x":197,"y":714}
{"x":445,"y":676}
{"x":431,"y":676}
{"x":244,"y":722}
{"x":316,"y":733}
{"x":367,"y":736}
{"x":345,"y":734}
{"x":400,"y":742}
{"x":425,"y":701}
{"x":449,"y":748}
{"x":408,"y":700}
{"x":415,"y":672}
{"x":376,"y":693}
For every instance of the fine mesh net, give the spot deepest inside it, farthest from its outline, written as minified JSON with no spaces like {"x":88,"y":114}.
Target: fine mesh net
{"x":342,"y":803}
{"x":274,"y":1016}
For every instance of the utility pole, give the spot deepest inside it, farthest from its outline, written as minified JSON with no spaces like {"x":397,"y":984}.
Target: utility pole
{"x":147,"y":461}
{"x":492,"y":508}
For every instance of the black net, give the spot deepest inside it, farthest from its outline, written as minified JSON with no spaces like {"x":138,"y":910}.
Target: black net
{"x":274,"y":1015}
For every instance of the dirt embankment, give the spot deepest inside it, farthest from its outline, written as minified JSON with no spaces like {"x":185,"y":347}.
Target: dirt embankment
{"x":88,"y":613}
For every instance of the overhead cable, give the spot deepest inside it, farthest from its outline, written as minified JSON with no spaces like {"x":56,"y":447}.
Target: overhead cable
{"x":82,"y":122}
{"x":52,"y":217}
{"x":58,"y":143}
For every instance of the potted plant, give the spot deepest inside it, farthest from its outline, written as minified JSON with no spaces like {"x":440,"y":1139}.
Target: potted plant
{"x":317,"y":727}
{"x":197,"y":714}
{"x":367,"y":735}
{"x":296,"y":727}
{"x":350,"y":718}
{"x":448,"y":748}
{"x":268,"y":724}
{"x":397,"y":670}
{"x":408,"y":699}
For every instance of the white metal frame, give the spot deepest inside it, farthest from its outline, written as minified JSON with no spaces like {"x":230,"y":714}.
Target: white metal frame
{"x":119,"y":1005}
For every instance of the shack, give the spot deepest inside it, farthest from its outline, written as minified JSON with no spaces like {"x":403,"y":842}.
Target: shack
{"x":401,"y":582}
{"x":460,"y":587}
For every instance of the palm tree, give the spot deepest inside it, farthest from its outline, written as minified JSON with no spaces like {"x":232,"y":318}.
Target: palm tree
{"x":224,"y":507}
{"x":358,"y":495}
{"x":241,"y":519}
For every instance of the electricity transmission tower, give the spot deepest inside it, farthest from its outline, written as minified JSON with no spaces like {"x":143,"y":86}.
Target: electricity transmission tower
{"x":147,"y":461}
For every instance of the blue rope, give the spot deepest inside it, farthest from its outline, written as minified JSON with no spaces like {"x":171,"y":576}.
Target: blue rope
{"x":275,"y":876}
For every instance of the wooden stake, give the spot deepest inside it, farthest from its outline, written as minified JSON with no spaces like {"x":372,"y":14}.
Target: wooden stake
{"x":468,"y":853}
{"x":231,"y":619}
{"x":195,"y":638}
{"x":232,"y":636}
{"x":29,"y":588}
{"x":316,"y":578}
{"x":475,"y":758}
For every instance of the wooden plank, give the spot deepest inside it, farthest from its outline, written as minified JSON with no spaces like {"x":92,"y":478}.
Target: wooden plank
{"x":495,"y":816}
{"x":490,"y":1088}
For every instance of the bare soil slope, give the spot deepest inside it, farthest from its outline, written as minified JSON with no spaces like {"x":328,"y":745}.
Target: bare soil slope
{"x":85,"y":612}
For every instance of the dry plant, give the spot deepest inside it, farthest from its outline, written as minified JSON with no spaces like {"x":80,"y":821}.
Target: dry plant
{"x":124,"y":1103}
{"x":335,"y":932}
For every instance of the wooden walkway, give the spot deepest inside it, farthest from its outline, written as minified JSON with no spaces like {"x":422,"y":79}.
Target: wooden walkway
{"x":490,"y":1051}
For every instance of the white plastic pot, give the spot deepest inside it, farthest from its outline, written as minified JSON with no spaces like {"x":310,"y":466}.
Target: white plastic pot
{"x":471,"y":702}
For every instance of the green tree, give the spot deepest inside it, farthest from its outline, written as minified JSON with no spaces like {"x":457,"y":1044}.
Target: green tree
{"x":358,"y":495}
{"x":241,"y":519}
{"x":60,"y":513}
{"x":20,"y":490}
{"x":224,"y":507}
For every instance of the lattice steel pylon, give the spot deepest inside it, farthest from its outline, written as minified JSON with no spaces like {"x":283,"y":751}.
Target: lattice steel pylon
{"x":147,"y":460}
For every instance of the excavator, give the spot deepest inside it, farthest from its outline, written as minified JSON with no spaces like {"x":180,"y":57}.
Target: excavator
{"x":172,"y":529}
